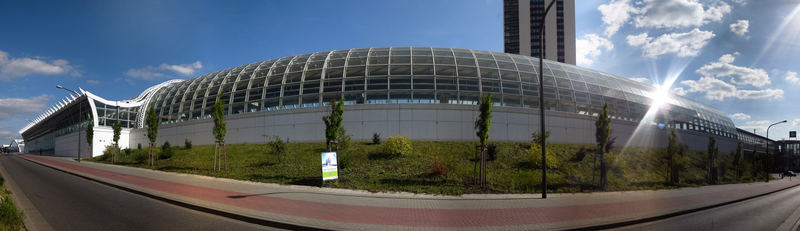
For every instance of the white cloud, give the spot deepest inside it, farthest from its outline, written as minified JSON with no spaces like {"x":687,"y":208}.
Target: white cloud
{"x":760,"y":125}
{"x":17,"y":107}
{"x":740,"y":2}
{"x":796,"y":122}
{"x":740,"y":116}
{"x":615,"y":14}
{"x":738,"y":75}
{"x":640,"y":79}
{"x":183,"y":69}
{"x":590,"y":47}
{"x":93,"y":81}
{"x":151,"y":72}
{"x":716,"y":89}
{"x":679,"y":13}
{"x":682,"y":44}
{"x":679,"y":91}
{"x":19,"y":67}
{"x":791,"y":77}
{"x":740,"y":27}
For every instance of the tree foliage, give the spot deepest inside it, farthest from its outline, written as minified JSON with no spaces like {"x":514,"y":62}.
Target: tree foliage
{"x":484,"y":119}
{"x":218,"y":114}
{"x":603,"y":125}
{"x":711,"y":159}
{"x":152,"y":132}
{"x":90,"y":131}
{"x":333,"y":122}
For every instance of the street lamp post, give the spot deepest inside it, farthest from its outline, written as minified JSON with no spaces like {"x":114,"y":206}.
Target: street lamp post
{"x":765,"y":159}
{"x":80,"y":119}
{"x":541,"y":99}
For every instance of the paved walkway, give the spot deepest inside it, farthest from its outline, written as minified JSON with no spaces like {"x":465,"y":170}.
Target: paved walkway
{"x":327,"y":208}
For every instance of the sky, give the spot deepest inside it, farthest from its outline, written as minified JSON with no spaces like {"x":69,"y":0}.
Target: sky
{"x":736,"y":55}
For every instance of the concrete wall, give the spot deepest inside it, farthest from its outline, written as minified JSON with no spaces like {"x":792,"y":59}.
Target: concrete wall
{"x":418,"y":122}
{"x":66,"y":145}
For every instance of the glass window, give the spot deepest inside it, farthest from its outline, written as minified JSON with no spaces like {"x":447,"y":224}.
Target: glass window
{"x":483,"y":56}
{"x":310,"y":87}
{"x":512,"y":100}
{"x":379,"y":60}
{"x":563,"y":83}
{"x":422,"y":51}
{"x":354,"y":84}
{"x":491,"y":86}
{"x":463,"y":54}
{"x":467,"y":71}
{"x":424,"y":97}
{"x":511,"y":88}
{"x":400,"y":96}
{"x":445,"y":70}
{"x":310,"y":100}
{"x":291,"y":89}
{"x":355,"y":71}
{"x":445,"y":83}
{"x":401,"y":70}
{"x":273,"y":91}
{"x":449,"y":97}
{"x":468,"y":84}
{"x":579,"y":86}
{"x":331,"y":73}
{"x":294,"y":77}
{"x":335,"y":63}
{"x":401,"y":59}
{"x":442,"y":53}
{"x":255,"y":93}
{"x":423,"y":69}
{"x":352,"y":61}
{"x":469,"y":97}
{"x":400,"y":82}
{"x":376,"y":52}
{"x":332,"y":85}
{"x":401,"y":51}
{"x":509,"y":75}
{"x":445,"y":60}
{"x":377,"y":83}
{"x":378,"y":70}
{"x":297,"y":67}
{"x":377,"y":97}
{"x":489,"y":73}
{"x":422,"y":60}
{"x":487,"y":63}
{"x":313,"y":75}
{"x":466,"y":61}
{"x":506,"y":65}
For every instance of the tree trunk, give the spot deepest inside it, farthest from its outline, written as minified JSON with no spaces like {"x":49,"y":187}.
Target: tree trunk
{"x":483,"y":167}
{"x":602,"y":171}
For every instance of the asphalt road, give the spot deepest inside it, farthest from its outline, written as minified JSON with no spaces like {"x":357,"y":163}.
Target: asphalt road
{"x":761,"y":213}
{"x":68,"y":202}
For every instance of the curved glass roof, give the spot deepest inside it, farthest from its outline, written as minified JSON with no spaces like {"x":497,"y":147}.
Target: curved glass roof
{"x":387,"y":75}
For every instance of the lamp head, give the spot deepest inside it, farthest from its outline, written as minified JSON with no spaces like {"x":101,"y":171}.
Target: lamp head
{"x":784,"y":121}
{"x":59,"y":86}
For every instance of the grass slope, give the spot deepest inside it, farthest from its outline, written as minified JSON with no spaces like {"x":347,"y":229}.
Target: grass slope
{"x":571,"y":168}
{"x":10,"y":216}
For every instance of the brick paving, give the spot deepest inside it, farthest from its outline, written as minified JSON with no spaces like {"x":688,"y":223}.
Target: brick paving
{"x":347,"y":209}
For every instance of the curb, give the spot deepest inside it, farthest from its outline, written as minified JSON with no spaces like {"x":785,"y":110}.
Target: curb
{"x":264,"y":222}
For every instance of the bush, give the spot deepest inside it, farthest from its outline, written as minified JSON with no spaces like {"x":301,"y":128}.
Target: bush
{"x":140,"y":157}
{"x":491,"y":152}
{"x":277,"y":145}
{"x":187,"y":144}
{"x":397,"y":145}
{"x":107,"y":152}
{"x":343,"y":140}
{"x":438,"y":167}
{"x":166,"y":151}
{"x":535,"y":155}
{"x":376,"y":138}
{"x":127,"y":151}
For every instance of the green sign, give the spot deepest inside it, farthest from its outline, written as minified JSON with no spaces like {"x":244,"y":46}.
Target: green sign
{"x":330,"y":169}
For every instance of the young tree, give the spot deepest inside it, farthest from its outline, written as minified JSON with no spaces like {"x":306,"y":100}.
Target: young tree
{"x":672,"y":157}
{"x":333,"y":123}
{"x":117,"y":127}
{"x":219,"y":130}
{"x":152,"y":132}
{"x":713,"y":152}
{"x":90,"y":134}
{"x":482,"y":130}
{"x":737,"y":161}
{"x":602,"y":133}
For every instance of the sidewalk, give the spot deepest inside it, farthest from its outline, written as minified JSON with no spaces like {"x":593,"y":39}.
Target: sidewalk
{"x":326,"y":208}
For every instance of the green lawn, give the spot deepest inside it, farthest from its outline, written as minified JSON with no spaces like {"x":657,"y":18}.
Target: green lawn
{"x":10,"y":216}
{"x":365,"y":166}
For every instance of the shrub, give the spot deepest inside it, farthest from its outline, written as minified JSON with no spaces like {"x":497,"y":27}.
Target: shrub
{"x":491,"y":152}
{"x":166,"y":151}
{"x":438,"y":167}
{"x":127,"y":151}
{"x":140,"y":157}
{"x":187,"y":144}
{"x":535,"y":154}
{"x":343,"y":141}
{"x":397,"y":145}
{"x":107,"y":152}
{"x":376,"y":138}
{"x":277,"y":145}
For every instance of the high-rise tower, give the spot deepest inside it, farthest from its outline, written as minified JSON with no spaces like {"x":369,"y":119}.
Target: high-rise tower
{"x":521,"y":28}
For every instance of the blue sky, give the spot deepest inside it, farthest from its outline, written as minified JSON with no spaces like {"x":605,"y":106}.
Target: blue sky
{"x":116,"y":49}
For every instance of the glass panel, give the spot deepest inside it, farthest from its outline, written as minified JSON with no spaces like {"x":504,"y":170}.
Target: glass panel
{"x":465,"y":61}
{"x":422,"y":60}
{"x":331,"y":73}
{"x":487,"y":73}
{"x":423,"y":70}
{"x":468,"y":84}
{"x":449,"y":97}
{"x":379,"y":60}
{"x":509,"y":75}
{"x":313,"y":75}
{"x":424,"y":97}
{"x":401,"y":70}
{"x":445,"y":70}
{"x":445,"y":60}
{"x":377,"y":83}
{"x":355,"y":71}
{"x":401,"y":59}
{"x":467,"y":71}
{"x":377,"y":97}
{"x":378,"y":70}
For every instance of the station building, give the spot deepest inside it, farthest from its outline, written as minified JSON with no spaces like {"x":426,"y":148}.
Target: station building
{"x":425,"y":93}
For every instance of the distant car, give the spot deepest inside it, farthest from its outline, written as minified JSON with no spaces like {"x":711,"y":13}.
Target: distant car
{"x":789,"y":173}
